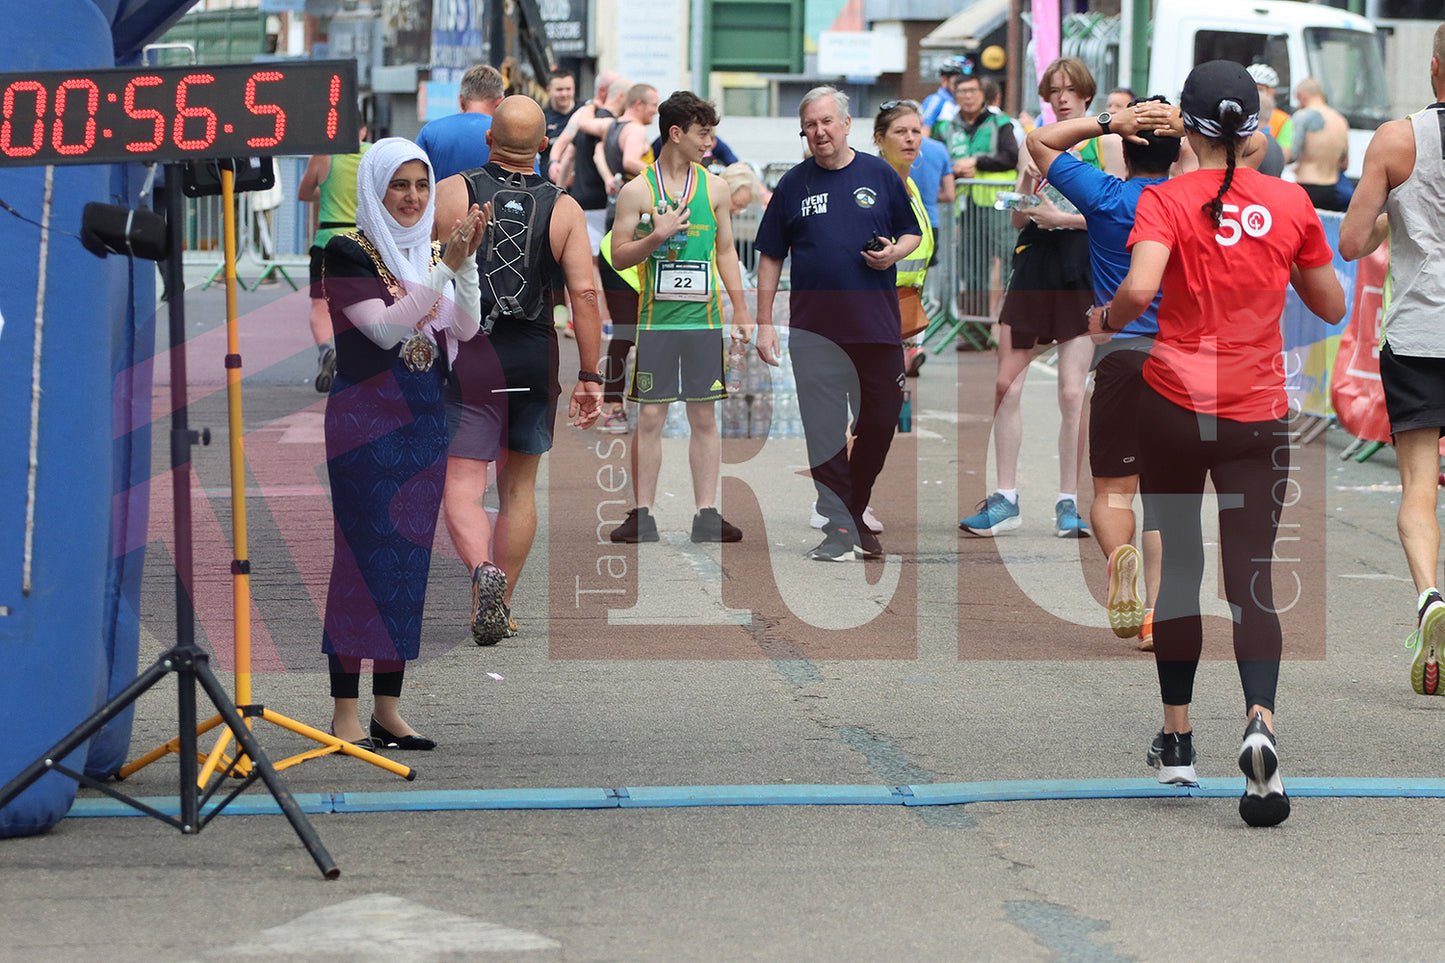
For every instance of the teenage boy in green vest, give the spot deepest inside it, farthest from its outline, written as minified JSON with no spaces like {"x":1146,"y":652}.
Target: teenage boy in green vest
{"x":673,"y":222}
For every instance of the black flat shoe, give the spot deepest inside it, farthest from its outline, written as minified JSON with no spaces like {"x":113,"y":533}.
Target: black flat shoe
{"x":385,"y":740}
{"x":362,"y":743}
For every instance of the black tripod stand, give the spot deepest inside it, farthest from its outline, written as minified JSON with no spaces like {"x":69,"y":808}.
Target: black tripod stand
{"x":187,"y":660}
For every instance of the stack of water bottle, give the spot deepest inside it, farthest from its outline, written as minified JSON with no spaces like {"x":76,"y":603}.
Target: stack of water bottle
{"x":762,"y":401}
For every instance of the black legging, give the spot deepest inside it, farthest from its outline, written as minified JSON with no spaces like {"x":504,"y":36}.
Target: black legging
{"x":386,"y":676}
{"x":1248,"y":463}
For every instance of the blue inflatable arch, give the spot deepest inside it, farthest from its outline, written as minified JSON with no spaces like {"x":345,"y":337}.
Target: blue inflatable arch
{"x":72,"y":475}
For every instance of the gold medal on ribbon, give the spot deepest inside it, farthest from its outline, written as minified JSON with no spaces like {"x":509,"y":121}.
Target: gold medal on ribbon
{"x":672,"y":254}
{"x":419,"y":352}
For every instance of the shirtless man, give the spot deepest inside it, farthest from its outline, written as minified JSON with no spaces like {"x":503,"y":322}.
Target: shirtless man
{"x":1320,"y":147}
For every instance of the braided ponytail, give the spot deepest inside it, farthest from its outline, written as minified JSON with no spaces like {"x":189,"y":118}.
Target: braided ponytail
{"x":1231,"y":118}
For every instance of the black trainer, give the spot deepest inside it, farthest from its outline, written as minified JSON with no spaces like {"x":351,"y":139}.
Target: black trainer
{"x":1156,"y":749}
{"x":868,"y":545}
{"x":709,"y":526}
{"x":638,"y":526}
{"x":1264,"y":802}
{"x":836,"y":547}
{"x":1175,"y":758}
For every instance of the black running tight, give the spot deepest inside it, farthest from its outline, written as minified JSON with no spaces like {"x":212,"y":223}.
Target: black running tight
{"x":1248,"y":463}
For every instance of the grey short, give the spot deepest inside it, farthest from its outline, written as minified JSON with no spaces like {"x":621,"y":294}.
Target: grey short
{"x":684,"y":364}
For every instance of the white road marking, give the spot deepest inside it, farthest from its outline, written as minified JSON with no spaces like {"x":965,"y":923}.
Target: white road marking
{"x":382,"y":927}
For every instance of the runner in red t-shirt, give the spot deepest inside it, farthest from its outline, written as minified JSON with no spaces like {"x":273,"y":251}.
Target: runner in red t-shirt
{"x":1223,"y":241}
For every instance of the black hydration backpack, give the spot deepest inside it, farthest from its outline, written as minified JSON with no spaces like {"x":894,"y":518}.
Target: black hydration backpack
{"x":514,"y":261}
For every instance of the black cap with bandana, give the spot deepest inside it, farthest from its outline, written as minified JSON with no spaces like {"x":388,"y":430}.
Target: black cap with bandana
{"x":1211,"y":84}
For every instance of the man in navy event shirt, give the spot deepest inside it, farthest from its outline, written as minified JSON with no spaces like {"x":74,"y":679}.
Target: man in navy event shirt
{"x":843,"y":307}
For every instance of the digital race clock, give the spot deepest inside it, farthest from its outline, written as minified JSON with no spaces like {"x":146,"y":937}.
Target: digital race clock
{"x":173,"y":113}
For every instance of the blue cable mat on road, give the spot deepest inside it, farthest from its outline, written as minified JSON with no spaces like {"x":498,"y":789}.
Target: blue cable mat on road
{"x":663,"y":797}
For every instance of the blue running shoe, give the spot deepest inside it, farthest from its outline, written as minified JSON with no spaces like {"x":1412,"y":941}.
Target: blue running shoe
{"x":995,"y":514}
{"x":1067,"y":523}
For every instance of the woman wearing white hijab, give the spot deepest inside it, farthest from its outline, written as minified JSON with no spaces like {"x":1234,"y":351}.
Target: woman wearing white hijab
{"x":393,"y":296}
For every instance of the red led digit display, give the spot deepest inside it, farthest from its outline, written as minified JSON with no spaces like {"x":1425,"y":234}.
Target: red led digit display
{"x":17,"y":125}
{"x":268,"y":76}
{"x":158,"y":132}
{"x":184,"y":110}
{"x":62,"y":100}
{"x":174,"y":113}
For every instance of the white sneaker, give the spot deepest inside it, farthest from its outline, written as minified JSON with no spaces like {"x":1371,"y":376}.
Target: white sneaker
{"x":874,"y":525}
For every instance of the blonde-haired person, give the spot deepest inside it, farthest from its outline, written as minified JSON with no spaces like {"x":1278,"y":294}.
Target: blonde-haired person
{"x":1049,"y":293}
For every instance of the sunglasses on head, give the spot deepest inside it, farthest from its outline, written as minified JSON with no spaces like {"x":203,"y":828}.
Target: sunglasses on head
{"x":895,"y":104}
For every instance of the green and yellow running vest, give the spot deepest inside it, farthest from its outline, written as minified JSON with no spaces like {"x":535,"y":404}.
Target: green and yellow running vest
{"x":679,"y":280}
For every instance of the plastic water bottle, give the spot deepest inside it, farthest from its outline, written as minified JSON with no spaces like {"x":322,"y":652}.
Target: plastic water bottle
{"x":1014,"y":201}
{"x":905,"y":414}
{"x":737,"y":362}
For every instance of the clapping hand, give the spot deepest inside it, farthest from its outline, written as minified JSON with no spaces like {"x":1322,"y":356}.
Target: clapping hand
{"x":466,"y":237}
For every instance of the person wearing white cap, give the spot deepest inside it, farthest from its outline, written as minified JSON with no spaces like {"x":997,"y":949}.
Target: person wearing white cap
{"x":1279,"y":125}
{"x":1224,"y":241}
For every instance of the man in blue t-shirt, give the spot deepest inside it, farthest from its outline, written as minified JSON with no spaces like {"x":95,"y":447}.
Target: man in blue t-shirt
{"x":458,"y":142}
{"x":1108,"y":205}
{"x":940,"y":105}
{"x":847,"y":220}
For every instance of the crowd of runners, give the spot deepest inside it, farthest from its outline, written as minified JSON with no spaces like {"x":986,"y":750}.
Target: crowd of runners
{"x":1151,"y":243}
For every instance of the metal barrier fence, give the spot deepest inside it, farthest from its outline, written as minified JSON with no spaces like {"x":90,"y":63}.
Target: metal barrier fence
{"x":745,"y":232}
{"x":273,"y":231}
{"x":965,"y":286}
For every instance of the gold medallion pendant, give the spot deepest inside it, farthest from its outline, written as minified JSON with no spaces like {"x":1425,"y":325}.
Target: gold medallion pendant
{"x":419,"y":352}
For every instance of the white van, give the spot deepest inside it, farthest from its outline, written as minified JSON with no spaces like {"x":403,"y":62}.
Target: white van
{"x":1340,"y":50}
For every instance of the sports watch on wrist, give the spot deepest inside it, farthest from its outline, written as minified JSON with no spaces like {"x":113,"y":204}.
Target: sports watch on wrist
{"x":1104,"y":120}
{"x":591,"y":376}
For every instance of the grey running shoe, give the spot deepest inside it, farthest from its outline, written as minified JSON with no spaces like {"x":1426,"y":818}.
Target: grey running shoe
{"x":489,"y":617}
{"x":837,"y":547}
{"x":868,"y":545}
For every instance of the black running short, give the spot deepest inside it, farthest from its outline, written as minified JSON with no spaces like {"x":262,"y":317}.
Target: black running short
{"x":1414,"y":391}
{"x":1114,"y":412}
